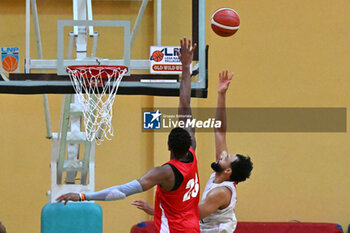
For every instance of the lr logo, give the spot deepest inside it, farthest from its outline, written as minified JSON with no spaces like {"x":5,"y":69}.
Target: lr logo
{"x":151,"y":120}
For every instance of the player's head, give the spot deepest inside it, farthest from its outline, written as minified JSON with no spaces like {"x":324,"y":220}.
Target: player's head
{"x":179,"y":142}
{"x":234,"y":167}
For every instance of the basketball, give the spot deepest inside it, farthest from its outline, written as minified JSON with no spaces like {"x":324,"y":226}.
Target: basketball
{"x":9,"y":63}
{"x":225,"y":22}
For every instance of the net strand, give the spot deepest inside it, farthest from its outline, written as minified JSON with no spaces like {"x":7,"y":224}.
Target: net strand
{"x":98,"y":99}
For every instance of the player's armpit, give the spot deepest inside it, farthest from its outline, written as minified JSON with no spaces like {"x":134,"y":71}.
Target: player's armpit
{"x":162,"y":175}
{"x":218,"y":198}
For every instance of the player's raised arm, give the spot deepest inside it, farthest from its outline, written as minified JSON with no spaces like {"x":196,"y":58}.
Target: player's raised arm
{"x":186,"y":57}
{"x":220,"y":133}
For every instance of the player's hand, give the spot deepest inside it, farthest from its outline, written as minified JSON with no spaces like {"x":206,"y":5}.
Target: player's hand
{"x":68,"y":197}
{"x":186,"y":55}
{"x":142,"y":205}
{"x":224,"y":81}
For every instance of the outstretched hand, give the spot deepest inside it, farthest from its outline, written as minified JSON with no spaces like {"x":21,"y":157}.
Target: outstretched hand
{"x":143,"y":205}
{"x":186,"y":55}
{"x":68,"y":197}
{"x":224,"y":81}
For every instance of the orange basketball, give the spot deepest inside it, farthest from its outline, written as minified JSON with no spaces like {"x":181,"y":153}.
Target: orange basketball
{"x":157,"y":56}
{"x":225,"y":22}
{"x":9,"y":64}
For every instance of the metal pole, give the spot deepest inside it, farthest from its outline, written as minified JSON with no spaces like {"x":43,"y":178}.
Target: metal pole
{"x":138,"y":20}
{"x":27,"y":67}
{"x":89,"y":15}
{"x":159,"y":22}
{"x":40,"y":54}
{"x":201,"y":41}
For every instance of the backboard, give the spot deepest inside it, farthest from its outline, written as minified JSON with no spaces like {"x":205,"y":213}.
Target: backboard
{"x":109,"y":33}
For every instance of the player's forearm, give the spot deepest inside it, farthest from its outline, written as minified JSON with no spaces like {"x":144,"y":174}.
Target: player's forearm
{"x":185,"y":90}
{"x":221,"y":113}
{"x":118,"y":192}
{"x":150,"y":211}
{"x":184,"y":110}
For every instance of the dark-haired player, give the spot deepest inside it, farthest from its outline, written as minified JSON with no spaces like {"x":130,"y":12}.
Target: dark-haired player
{"x":177,"y":195}
{"x":216,"y":210}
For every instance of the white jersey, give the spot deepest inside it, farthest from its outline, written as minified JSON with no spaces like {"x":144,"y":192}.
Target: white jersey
{"x":221,"y":221}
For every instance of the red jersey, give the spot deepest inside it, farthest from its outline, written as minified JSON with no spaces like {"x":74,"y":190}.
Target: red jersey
{"x":177,"y":211}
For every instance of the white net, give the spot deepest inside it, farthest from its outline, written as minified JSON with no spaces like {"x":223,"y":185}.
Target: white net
{"x":96,"y":87}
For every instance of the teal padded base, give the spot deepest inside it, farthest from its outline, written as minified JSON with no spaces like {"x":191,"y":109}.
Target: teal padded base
{"x":71,"y":218}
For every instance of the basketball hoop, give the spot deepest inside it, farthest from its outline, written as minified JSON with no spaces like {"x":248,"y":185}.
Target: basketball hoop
{"x":96,"y":87}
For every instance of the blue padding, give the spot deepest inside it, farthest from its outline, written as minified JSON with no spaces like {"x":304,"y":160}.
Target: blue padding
{"x":72,"y":218}
{"x":340,"y":227}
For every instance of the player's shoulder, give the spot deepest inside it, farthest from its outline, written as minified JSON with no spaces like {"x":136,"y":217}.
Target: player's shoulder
{"x":164,"y":170}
